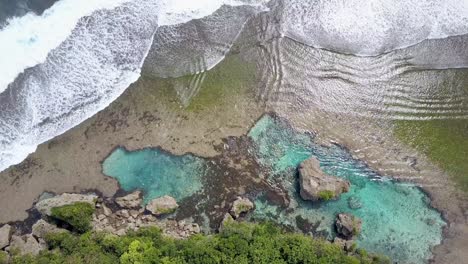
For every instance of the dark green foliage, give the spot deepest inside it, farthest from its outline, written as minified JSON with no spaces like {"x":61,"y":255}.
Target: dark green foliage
{"x":238,"y":243}
{"x":77,"y":215}
{"x":3,"y":257}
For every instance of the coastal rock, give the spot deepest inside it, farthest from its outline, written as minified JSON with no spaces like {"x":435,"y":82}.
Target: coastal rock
{"x":26,"y":244}
{"x":316,"y":185}
{"x":162,"y":205}
{"x":130,"y":201}
{"x":346,"y":245}
{"x":5,"y":235}
{"x":226,"y":220}
{"x":45,"y":206}
{"x":240,"y":206}
{"x":41,"y":228}
{"x":105,"y":210}
{"x":348,"y":226}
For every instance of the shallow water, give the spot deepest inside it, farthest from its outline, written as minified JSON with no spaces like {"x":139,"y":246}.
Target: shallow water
{"x":397,"y":218}
{"x":155,"y":172}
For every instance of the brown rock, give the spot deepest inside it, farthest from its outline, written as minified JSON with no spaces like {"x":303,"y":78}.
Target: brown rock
{"x":240,"y":206}
{"x":5,"y":235}
{"x":132,"y":200}
{"x":316,"y":185}
{"x":348,"y":226}
{"x":162,"y":205}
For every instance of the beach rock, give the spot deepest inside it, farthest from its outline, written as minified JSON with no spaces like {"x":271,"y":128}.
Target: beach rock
{"x":316,"y":185}
{"x":45,"y":206}
{"x":346,"y":245}
{"x":162,"y":205}
{"x":348,"y":225}
{"x":130,"y":201}
{"x":240,"y":206}
{"x":5,"y":235}
{"x":226,"y":220}
{"x":26,"y":244}
{"x":42,"y":228}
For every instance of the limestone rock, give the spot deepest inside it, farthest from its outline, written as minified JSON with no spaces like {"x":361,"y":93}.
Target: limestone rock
{"x":240,"y":206}
{"x":5,"y":235}
{"x":42,"y":228}
{"x":132,"y":200}
{"x":346,"y":245}
{"x":26,"y":244}
{"x":316,"y":185}
{"x":106,"y":211}
{"x":348,"y":226}
{"x":162,"y":205}
{"x":226,"y":220}
{"x":45,"y":206}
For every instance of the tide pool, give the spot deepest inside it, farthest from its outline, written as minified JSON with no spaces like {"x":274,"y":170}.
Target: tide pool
{"x":397,"y":218}
{"x":156,"y":172}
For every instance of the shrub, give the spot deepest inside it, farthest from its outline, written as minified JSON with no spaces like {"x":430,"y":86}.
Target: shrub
{"x":326,"y":195}
{"x":3,"y":257}
{"x":77,"y":215}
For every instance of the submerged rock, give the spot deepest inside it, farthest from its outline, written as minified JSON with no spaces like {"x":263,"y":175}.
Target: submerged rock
{"x":26,"y":244}
{"x":240,"y":206}
{"x":348,"y":225}
{"x":316,"y":185}
{"x":45,"y":206}
{"x":162,"y":205}
{"x":130,"y":201}
{"x":42,"y":228}
{"x":5,"y":236}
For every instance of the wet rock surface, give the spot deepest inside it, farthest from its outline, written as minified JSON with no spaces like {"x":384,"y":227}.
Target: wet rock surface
{"x":316,"y":185}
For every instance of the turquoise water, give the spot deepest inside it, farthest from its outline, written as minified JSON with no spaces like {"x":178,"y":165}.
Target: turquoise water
{"x":156,"y":172}
{"x":397,"y":220}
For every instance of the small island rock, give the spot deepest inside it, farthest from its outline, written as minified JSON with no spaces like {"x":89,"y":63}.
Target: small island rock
{"x":348,"y":225}
{"x":162,"y":205}
{"x":45,"y":206}
{"x":240,"y":206}
{"x":130,"y":201}
{"x":316,"y":185}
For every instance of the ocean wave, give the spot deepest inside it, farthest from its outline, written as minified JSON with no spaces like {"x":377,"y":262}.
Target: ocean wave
{"x":101,"y":57}
{"x":369,"y":28}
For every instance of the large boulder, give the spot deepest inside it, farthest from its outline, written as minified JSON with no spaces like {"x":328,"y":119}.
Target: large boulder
{"x":45,"y":206}
{"x":26,"y":244}
{"x":5,"y":235}
{"x":348,"y":225}
{"x":162,"y":205}
{"x":240,"y":206}
{"x":41,"y":228}
{"x":132,"y":200}
{"x":316,"y":185}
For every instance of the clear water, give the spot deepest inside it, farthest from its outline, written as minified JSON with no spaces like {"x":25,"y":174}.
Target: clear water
{"x":155,"y":172}
{"x":397,"y":219}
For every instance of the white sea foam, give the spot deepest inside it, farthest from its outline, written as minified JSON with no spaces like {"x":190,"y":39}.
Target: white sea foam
{"x":100,"y":58}
{"x":372,"y":27}
{"x":27,"y":40}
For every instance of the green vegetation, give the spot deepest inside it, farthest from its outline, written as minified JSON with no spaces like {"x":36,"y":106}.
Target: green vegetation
{"x":326,"y":195}
{"x":445,"y":142}
{"x":77,"y":215}
{"x":3,"y":257}
{"x":238,"y":243}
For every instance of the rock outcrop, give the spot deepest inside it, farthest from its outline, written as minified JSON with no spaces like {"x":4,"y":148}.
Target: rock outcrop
{"x":45,"y":206}
{"x":241,"y":206}
{"x":26,"y":244}
{"x":227,"y":219}
{"x":316,"y":185}
{"x":42,"y":228}
{"x":348,"y":225}
{"x":347,"y":245}
{"x":162,"y":205}
{"x":5,"y":236}
{"x":132,"y":200}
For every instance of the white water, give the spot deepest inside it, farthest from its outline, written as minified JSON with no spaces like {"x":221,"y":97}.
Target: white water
{"x":100,"y":58}
{"x":27,"y":40}
{"x":372,"y":27}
